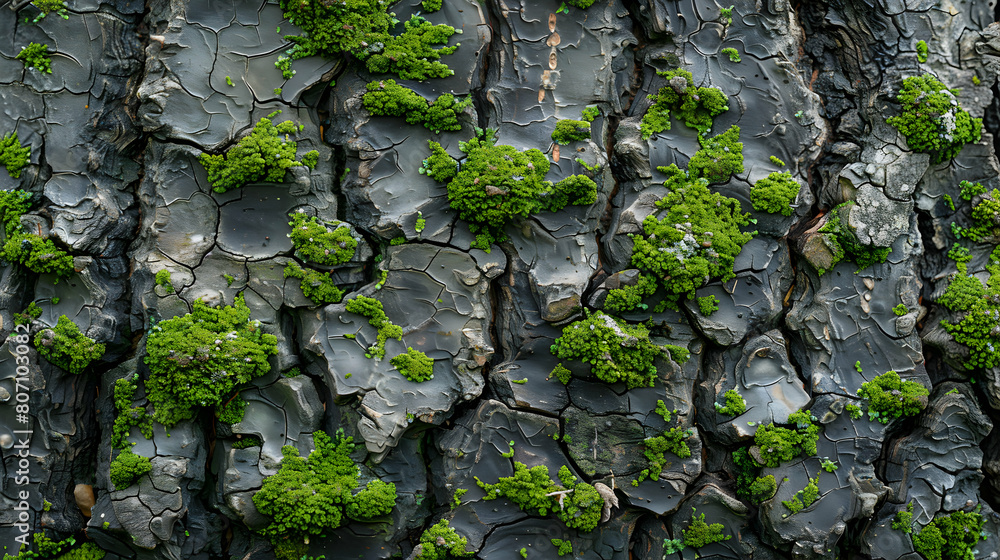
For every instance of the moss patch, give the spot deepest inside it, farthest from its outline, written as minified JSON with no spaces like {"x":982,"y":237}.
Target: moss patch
{"x":933,"y":120}
{"x":67,"y":347}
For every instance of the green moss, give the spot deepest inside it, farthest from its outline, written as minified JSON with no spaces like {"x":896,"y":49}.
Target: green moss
{"x":313,"y":494}
{"x":163,"y":279}
{"x":696,"y":240}
{"x":128,"y":415}
{"x":695,"y":106}
{"x":932,"y":120}
{"x":578,"y":505}
{"x":699,"y":533}
{"x":661,"y":409}
{"x":673,"y":440}
{"x":563,"y":547}
{"x":672,"y":546}
{"x":32,"y":312}
{"x":976,"y":81}
{"x":776,"y":161}
{"x":568,"y":130}
{"x":232,"y":411}
{"x":733,"y":54}
{"x":775,"y":194}
{"x":628,"y":298}
{"x":708,"y":305}
{"x":315,"y":285}
{"x":900,"y":310}
{"x":431,"y":6}
{"x":615,"y":350}
{"x":48,"y":549}
{"x":977,"y":306}
{"x":47,"y":7}
{"x":778,"y":444}
{"x":38,"y":254}
{"x":903,"y":521}
{"x":726,"y":15}
{"x":247,"y":441}
{"x":372,"y":310}
{"x":890,"y":397}
{"x":457,"y":498}
{"x":362,"y":28}
{"x":388,"y":99}
{"x":735,"y":404}
{"x":951,"y":537}
{"x":420,"y":224}
{"x":68,"y":348}
{"x":263,"y":155}
{"x":414,"y":365}
{"x":582,"y":4}
{"x":747,"y":471}
{"x":719,"y":157}
{"x":763,"y":489}
{"x":202,"y":358}
{"x":590,"y":113}
{"x":497,"y":184}
{"x":561,"y":373}
{"x":845,"y":243}
{"x":127,"y":467}
{"x":678,"y":354}
{"x":13,"y":156}
{"x":35,"y":56}
{"x":441,"y":542}
{"x":320,"y":243}
{"x":510,"y":451}
{"x":803,"y":498}
{"x":854,"y":411}
{"x":922,"y":51}
{"x":523,"y":552}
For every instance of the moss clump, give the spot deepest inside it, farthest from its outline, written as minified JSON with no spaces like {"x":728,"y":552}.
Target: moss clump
{"x":845,"y":244}
{"x":890,"y":397}
{"x":562,"y":374}
{"x":263,"y":155}
{"x":673,"y":440}
{"x":854,"y":411}
{"x":628,"y":298}
{"x":13,"y":155}
{"x":35,"y":56}
{"x":695,"y":106}
{"x":747,"y":471}
{"x":310,"y":495}
{"x":569,"y":130}
{"x":615,"y":350}
{"x":246,"y":442}
{"x":951,"y":537}
{"x":31,"y":251}
{"x":48,"y":549}
{"x":577,"y":504}
{"x":388,"y":99}
{"x":763,"y":489}
{"x":719,"y":157}
{"x":803,"y":498}
{"x":431,"y":6}
{"x":127,"y":415}
{"x":582,"y":4}
{"x":414,"y":365}
{"x":362,"y":28}
{"x":319,"y":243}
{"x":371,"y":309}
{"x":708,"y":305}
{"x":497,"y":184}
{"x":441,"y":542}
{"x":696,"y":240}
{"x":779,"y":444}
{"x":203,"y":357}
{"x":65,"y":346}
{"x":315,"y":285}
{"x":590,"y":113}
{"x":932,"y":120}
{"x":733,"y":54}
{"x":922,"y":51}
{"x":977,"y":305}
{"x":32,"y":312}
{"x":985,"y":218}
{"x":903,"y":521}
{"x":232,"y":411}
{"x":699,"y":533}
{"x":127,"y":467}
{"x":900,"y":310}
{"x":563,"y":547}
{"x":775,"y":194}
{"x":735,"y":404}
{"x":163,"y":279}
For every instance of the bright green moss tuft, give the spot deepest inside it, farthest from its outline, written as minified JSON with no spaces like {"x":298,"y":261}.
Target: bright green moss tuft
{"x":979,"y":311}
{"x":903,"y":521}
{"x":315,"y":285}
{"x":577,"y":504}
{"x":854,"y":411}
{"x":48,"y":549}
{"x":65,"y":346}
{"x":263,"y":155}
{"x":569,"y":130}
{"x":313,"y":494}
{"x":733,"y":54}
{"x":699,"y":533}
{"x":575,"y":190}
{"x":695,"y":106}
{"x":746,"y":473}
{"x":372,"y":310}
{"x":202,"y":358}
{"x":441,"y":542}
{"x":439,"y":166}
{"x":388,"y":99}
{"x":803,"y":498}
{"x":697,"y":239}
{"x":628,"y":298}
{"x":163,"y":279}
{"x":319,"y":243}
{"x":775,"y":194}
{"x":38,"y":254}
{"x":414,"y":365}
{"x":246,"y":442}
{"x":708,"y":305}
{"x":661,"y":409}
{"x":922,"y":51}
{"x":127,"y":415}
{"x":719,"y":157}
{"x":763,"y":489}
{"x":673,"y":440}
{"x":932,"y":120}
{"x":845,"y":243}
{"x":890,"y":397}
{"x":32,"y":312}
{"x":968,"y":190}
{"x":951,"y":537}
{"x":615,"y":350}
{"x":735,"y":404}
{"x":562,"y":374}
{"x":778,"y":445}
{"x":590,"y":113}
{"x":431,"y":6}
{"x":35,"y":56}
{"x":776,"y":161}
{"x":232,"y":411}
{"x":127,"y":467}
{"x":563,"y":547}
{"x":900,"y":310}
{"x":582,"y":4}
{"x":13,"y":155}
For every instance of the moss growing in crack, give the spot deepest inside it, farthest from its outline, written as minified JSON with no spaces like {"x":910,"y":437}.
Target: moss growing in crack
{"x":562,"y":374}
{"x":31,"y":251}
{"x":202,"y":358}
{"x":778,"y":444}
{"x":263,"y":155}
{"x":13,"y":156}
{"x":246,"y":442}
{"x":900,"y":310}
{"x":694,"y":106}
{"x":922,"y":51}
{"x":775,"y":194}
{"x":854,"y":411}
{"x":696,"y":240}
{"x":414,"y":365}
{"x":699,"y":533}
{"x":735,"y":404}
{"x":763,"y":489}
{"x":497,"y":184}
{"x":163,"y":279}
{"x":310,"y":495}
{"x":708,"y":305}
{"x":371,"y":309}
{"x":431,"y":5}
{"x":890,"y":396}
{"x":845,"y":244}
{"x":315,"y":285}
{"x":951,"y":537}
{"x":577,"y":504}
{"x":985,"y":218}
{"x":67,"y":347}
{"x":932,"y":120}
{"x":615,"y":350}
{"x":441,"y":542}
{"x":32,"y":312}
{"x":128,"y":416}
{"x":563,"y":547}
{"x":719,"y":157}
{"x":48,"y":549}
{"x":127,"y":467}
{"x":388,"y":99}
{"x":232,"y":411}
{"x":803,"y":498}
{"x":733,"y":54}
{"x":35,"y":56}
{"x":321,"y":243}
{"x":569,"y":130}
{"x":628,"y":298}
